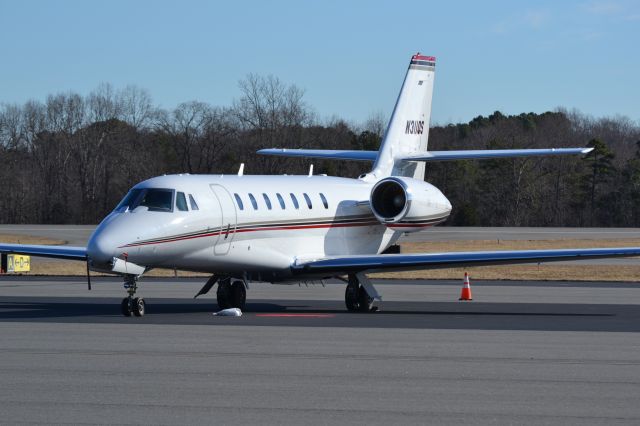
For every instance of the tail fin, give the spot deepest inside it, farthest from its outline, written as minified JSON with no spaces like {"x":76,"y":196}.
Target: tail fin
{"x":404,"y":148}
{"x":408,"y":130}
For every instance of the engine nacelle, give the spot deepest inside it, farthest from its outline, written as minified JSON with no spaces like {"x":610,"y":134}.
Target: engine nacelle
{"x":408,"y":205}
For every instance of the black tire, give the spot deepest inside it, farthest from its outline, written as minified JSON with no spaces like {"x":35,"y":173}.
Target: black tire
{"x":223,"y":295}
{"x":351,"y":298}
{"x":139,"y":307}
{"x":124,"y":307}
{"x":238,"y":295}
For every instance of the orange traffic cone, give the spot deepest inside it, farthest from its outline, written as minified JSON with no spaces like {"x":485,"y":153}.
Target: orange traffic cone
{"x":466,"y":289}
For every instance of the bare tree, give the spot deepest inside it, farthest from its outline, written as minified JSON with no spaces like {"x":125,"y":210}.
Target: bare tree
{"x":136,"y":106}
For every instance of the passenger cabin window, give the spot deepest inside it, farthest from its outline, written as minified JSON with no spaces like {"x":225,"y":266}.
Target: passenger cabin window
{"x":295,"y":201}
{"x":181,"y":202}
{"x":239,"y":201}
{"x":267,"y":200}
{"x":324,"y":201}
{"x":155,"y":199}
{"x":308,"y":200}
{"x":281,"y":201}
{"x":254,"y":203}
{"x":194,"y":205}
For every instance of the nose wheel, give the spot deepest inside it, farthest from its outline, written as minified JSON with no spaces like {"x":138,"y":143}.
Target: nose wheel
{"x":131,"y":304}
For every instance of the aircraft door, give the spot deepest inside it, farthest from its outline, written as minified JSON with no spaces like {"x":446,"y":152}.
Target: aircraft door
{"x":227,"y":221}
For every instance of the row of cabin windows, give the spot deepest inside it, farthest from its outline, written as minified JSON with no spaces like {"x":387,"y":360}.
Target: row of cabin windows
{"x":283,"y":206}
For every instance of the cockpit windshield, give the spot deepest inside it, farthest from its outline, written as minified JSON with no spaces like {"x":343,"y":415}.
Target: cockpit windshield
{"x":155,"y":199}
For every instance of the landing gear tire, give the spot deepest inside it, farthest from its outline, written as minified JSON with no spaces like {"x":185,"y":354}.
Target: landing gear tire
{"x":357,"y":299}
{"x":231,"y":295}
{"x":138,"y":306}
{"x":131,"y":304}
{"x":238,"y":295}
{"x":224,"y":288}
{"x":125,"y":307}
{"x":351,"y":297}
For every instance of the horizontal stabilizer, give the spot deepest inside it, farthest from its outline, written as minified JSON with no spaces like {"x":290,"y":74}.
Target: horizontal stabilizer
{"x":322,"y":153}
{"x":404,"y":262}
{"x":57,"y":252}
{"x":428,"y":156}
{"x":492,"y":153}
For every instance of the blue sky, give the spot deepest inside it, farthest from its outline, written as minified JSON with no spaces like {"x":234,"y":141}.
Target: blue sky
{"x":348,"y":56}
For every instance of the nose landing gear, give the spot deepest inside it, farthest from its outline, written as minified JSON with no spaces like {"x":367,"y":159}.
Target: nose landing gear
{"x":130,"y":304}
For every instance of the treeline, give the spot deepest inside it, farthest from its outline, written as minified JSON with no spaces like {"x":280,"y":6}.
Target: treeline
{"x":71,"y":158}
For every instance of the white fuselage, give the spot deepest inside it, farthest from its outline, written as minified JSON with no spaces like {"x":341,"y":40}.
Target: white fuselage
{"x":261,"y":240}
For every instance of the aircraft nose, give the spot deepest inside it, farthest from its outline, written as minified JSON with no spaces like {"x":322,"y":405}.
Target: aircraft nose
{"x":101,"y":248}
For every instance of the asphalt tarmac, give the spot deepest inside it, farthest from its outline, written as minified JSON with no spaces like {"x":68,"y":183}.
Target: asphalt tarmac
{"x":520,"y":353}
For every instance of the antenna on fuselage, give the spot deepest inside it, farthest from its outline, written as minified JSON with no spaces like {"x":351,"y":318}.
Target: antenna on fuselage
{"x":311,"y":170}
{"x":241,"y":170}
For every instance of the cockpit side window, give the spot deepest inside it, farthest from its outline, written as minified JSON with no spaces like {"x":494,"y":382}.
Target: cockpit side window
{"x":192,"y":201}
{"x":181,"y":202}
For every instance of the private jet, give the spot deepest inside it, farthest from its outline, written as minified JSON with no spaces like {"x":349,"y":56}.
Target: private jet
{"x":291,"y":229}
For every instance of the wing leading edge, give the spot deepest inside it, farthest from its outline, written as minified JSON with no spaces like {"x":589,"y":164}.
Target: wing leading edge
{"x":403,"y":262}
{"x":322,"y":153}
{"x":428,"y":156}
{"x":58,"y":252}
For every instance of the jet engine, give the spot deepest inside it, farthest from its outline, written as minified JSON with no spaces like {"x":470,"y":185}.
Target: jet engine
{"x":408,"y":205}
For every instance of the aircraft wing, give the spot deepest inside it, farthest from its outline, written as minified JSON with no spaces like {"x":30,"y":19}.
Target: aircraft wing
{"x":58,"y":252}
{"x":403,"y":262}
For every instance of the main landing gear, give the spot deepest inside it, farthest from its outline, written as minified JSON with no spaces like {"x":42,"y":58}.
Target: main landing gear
{"x":132,"y":305}
{"x":360,"y":294}
{"x":231,"y":294}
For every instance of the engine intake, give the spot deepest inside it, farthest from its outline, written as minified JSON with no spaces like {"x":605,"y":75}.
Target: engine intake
{"x":389,"y":200}
{"x":408,"y":204}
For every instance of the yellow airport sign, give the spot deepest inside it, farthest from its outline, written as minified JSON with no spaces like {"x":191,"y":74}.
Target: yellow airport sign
{"x":18,"y":263}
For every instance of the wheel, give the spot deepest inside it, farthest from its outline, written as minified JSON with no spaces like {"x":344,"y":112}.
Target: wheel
{"x":223,"y":296}
{"x":138,"y":306}
{"x":238,"y":295}
{"x":357,"y":299}
{"x":351,"y":297}
{"x":125,"y":307}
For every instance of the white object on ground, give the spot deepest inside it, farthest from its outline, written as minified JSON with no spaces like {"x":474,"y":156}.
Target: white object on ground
{"x":231,"y":312}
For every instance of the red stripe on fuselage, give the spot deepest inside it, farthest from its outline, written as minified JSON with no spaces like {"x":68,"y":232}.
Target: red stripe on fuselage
{"x":263,"y":228}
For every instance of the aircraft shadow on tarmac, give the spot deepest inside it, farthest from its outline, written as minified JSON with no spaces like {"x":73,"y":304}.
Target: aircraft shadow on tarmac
{"x":23,"y":308}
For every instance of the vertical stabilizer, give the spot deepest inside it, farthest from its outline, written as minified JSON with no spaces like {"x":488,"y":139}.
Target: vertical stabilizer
{"x":408,"y":129}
